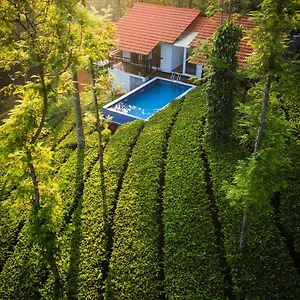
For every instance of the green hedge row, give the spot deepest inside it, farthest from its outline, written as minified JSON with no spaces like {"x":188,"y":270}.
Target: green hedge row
{"x":10,"y":225}
{"x":72,"y":171}
{"x":192,"y":267}
{"x":134,"y":266}
{"x":290,"y":197}
{"x":93,"y":240}
{"x":59,"y":132}
{"x":11,"y":222}
{"x":25,"y":259}
{"x":264,"y":269}
{"x":66,"y":146}
{"x":23,"y":272}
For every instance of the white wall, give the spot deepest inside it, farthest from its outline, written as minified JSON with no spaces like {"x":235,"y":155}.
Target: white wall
{"x":122,"y":79}
{"x":199,"y":69}
{"x":166,"y":54}
{"x":177,"y":57}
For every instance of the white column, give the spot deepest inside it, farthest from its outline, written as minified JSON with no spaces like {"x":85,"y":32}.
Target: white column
{"x":184,"y":61}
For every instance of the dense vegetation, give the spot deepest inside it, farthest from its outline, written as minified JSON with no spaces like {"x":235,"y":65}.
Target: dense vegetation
{"x":146,"y":176}
{"x":155,"y":210}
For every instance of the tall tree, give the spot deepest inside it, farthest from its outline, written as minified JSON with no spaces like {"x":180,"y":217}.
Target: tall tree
{"x":30,"y":33}
{"x":97,"y":46}
{"x":221,"y":82}
{"x":90,"y":37}
{"x":274,"y":22}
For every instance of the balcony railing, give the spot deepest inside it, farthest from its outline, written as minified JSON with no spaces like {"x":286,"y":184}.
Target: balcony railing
{"x":142,"y":67}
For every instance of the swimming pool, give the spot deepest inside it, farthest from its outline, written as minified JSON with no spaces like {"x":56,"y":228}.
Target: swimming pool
{"x":144,"y":101}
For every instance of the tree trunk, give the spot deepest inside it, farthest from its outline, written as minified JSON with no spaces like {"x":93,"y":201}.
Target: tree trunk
{"x":229,"y":9}
{"x":78,"y":113}
{"x":245,"y":226}
{"x":36,"y":202}
{"x":222,"y":11}
{"x":100,"y":147}
{"x":263,"y":116}
{"x":257,"y":147}
{"x":45,"y":105}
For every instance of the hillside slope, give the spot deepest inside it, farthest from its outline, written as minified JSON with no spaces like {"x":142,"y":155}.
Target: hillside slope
{"x":165,"y":229}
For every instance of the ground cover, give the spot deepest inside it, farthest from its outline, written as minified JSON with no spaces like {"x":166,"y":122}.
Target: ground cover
{"x":191,"y":254}
{"x":264,"y":270}
{"x":134,"y":267}
{"x":162,"y":238}
{"x":25,"y":258}
{"x":93,"y":244}
{"x":289,"y":209}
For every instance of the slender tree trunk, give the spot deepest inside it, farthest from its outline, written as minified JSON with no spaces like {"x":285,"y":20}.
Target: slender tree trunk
{"x":222,"y":11}
{"x":98,"y":123}
{"x":100,"y":147}
{"x":257,"y":147}
{"x":229,"y":9}
{"x":245,"y":226}
{"x":49,"y":257}
{"x":78,"y":113}
{"x":263,"y":116}
{"x":45,"y":105}
{"x":36,"y":202}
{"x":36,"y":206}
{"x":57,"y":287}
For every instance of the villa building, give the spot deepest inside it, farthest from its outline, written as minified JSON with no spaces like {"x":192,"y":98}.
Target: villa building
{"x":155,"y":38}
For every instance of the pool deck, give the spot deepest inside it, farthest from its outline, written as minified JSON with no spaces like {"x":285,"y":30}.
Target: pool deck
{"x":184,"y":79}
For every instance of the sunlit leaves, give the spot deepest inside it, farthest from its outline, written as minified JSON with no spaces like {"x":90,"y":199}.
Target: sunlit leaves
{"x":269,"y":39}
{"x":260,"y":176}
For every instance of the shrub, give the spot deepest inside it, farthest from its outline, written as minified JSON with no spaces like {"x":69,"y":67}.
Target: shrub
{"x":192,"y":267}
{"x":134,"y":265}
{"x":264,"y":270}
{"x":93,"y":243}
{"x":290,"y":196}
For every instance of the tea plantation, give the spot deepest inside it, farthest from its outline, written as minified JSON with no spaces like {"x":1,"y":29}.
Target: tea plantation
{"x":165,"y":228}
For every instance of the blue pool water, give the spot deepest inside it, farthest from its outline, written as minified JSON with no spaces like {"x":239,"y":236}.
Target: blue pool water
{"x":147,"y":100}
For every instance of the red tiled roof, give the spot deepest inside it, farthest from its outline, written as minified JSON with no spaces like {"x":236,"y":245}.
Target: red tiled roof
{"x":207,"y":26}
{"x":145,"y":25}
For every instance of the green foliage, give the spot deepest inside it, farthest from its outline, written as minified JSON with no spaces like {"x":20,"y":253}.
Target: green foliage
{"x":274,"y":276}
{"x":18,"y":207}
{"x":15,"y":205}
{"x":221,"y":82}
{"x":287,"y":90}
{"x":10,"y":225}
{"x":18,"y":132}
{"x":134,"y":266}
{"x":23,"y":273}
{"x":290,"y":195}
{"x":119,"y":7}
{"x":259,"y":177}
{"x":93,"y":243}
{"x":192,"y":269}
{"x":275,"y":21}
{"x":231,"y":6}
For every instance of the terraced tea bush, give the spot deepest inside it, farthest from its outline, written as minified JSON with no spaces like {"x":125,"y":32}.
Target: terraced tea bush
{"x":93,"y":240}
{"x":134,"y":267}
{"x":191,"y":256}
